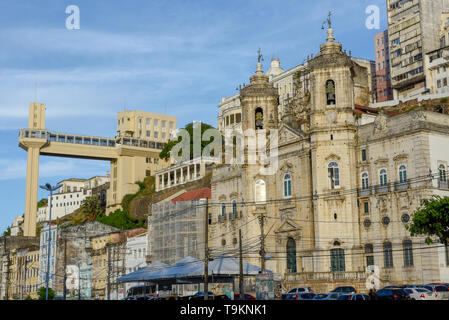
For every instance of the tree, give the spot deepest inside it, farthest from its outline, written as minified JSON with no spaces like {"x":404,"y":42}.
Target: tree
{"x":42,"y":292}
{"x":7,"y":232}
{"x":432,"y":220}
{"x":42,"y":203}
{"x":92,"y":207}
{"x":165,"y":153}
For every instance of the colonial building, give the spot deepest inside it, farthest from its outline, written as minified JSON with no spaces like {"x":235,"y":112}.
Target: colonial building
{"x":344,"y":189}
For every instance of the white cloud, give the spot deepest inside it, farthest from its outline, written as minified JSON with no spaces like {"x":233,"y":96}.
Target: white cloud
{"x":12,"y":169}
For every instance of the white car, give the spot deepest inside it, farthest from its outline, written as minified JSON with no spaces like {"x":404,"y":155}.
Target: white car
{"x":420,"y":293}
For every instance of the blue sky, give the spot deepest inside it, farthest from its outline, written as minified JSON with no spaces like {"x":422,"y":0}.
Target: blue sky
{"x":175,"y":57}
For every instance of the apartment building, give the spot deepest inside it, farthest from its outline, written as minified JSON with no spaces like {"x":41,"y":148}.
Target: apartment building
{"x":384,"y":91}
{"x":413,"y":30}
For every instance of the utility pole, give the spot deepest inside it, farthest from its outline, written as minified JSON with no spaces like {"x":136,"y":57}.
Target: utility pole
{"x":79,"y":282}
{"x":65,"y":269}
{"x":262,"y":243}
{"x":7,"y":277}
{"x":109,"y":272}
{"x":206,"y":251}
{"x":241,"y":267}
{"x":25,"y":275}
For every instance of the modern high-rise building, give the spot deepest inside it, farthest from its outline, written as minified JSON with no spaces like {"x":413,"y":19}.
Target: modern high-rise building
{"x":413,"y":30}
{"x":384,"y":91}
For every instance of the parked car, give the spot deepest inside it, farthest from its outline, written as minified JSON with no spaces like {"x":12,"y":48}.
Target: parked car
{"x":295,"y":291}
{"x":129,"y":298}
{"x":327,"y":296}
{"x":345,"y":290}
{"x":353,"y":297}
{"x":392,"y":294}
{"x":439,"y":292}
{"x":246,"y":296}
{"x":200,"y":296}
{"x":301,"y":296}
{"x":419,"y":293}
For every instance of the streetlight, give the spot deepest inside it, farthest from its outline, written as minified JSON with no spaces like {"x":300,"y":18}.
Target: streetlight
{"x":49,"y":188}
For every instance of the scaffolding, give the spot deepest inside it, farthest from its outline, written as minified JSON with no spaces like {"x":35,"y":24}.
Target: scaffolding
{"x":177,"y":230}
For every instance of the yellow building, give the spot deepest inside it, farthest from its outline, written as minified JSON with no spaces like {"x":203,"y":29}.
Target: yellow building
{"x":32,"y":274}
{"x":133,"y":153}
{"x":23,"y":273}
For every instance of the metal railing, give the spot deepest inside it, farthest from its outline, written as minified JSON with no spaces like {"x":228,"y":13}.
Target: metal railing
{"x":88,"y":140}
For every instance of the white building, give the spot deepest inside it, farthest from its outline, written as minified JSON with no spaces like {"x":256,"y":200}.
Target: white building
{"x":70,"y":196}
{"x":16,"y":227}
{"x":136,"y":251}
{"x":47,"y":235}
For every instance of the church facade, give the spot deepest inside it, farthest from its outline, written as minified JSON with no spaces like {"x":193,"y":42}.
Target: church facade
{"x":348,"y":180}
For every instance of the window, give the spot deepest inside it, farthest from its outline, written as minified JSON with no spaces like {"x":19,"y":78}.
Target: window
{"x":338,"y":260}
{"x":287,"y":185}
{"x":334,"y":175}
{"x":364,"y":155}
{"x":442,"y":171}
{"x":369,"y":250}
{"x":156,"y":135}
{"x":383,"y":177}
{"x":408,"y":253}
{"x":223,"y":210}
{"x":291,"y":255}
{"x":366,"y":207}
{"x":388,"y":255}
{"x":148,"y":133}
{"x":402,"y":173}
{"x":259,"y":119}
{"x":365,"y":181}
{"x":330,"y":92}
{"x":260,"y":192}
{"x":155,"y":123}
{"x":234,"y":208}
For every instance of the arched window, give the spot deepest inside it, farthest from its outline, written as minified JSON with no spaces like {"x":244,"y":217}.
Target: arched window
{"x":408,"y":253}
{"x":403,"y":173}
{"x":338,"y":260}
{"x":287,"y":185}
{"x":334,"y":175}
{"x":330,"y":92}
{"x":383,"y":177}
{"x":442,"y":171}
{"x":260,"y":191}
{"x":259,"y":119}
{"x":365,"y":180}
{"x":388,"y":255}
{"x":291,"y":255}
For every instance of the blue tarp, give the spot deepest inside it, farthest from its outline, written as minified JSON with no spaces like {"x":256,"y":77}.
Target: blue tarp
{"x":138,"y":275}
{"x":190,"y":268}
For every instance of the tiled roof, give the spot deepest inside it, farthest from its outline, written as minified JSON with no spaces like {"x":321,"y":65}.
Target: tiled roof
{"x":193,"y":195}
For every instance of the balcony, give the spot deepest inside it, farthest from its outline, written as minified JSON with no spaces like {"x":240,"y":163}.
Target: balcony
{"x":365,"y":192}
{"x":402,"y":186}
{"x":326,"y":276}
{"x":382,"y":189}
